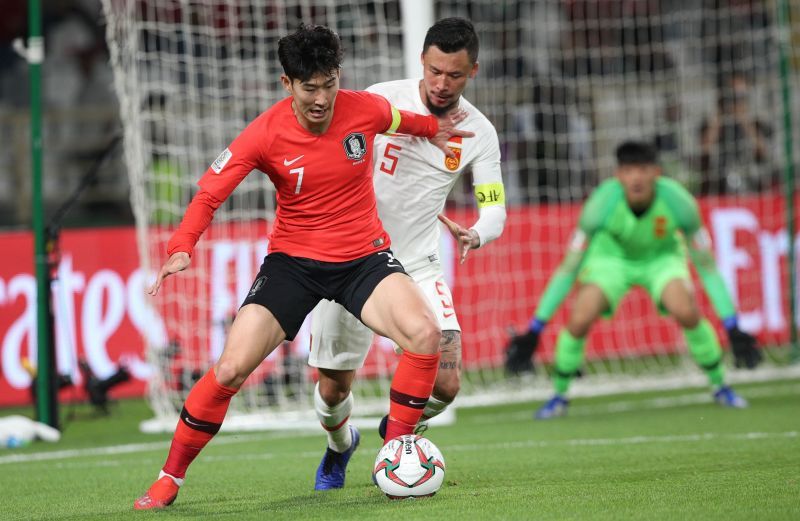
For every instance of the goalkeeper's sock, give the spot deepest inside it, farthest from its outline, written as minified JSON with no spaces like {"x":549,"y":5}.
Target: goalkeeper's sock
{"x":334,"y":420}
{"x":200,"y":420}
{"x":706,"y":352}
{"x":411,"y":388}
{"x":569,"y":358}
{"x":434,"y":407}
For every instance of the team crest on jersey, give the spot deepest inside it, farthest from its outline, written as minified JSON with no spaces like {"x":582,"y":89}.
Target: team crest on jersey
{"x":355,"y":146}
{"x":452,"y":163}
{"x":660,"y":227}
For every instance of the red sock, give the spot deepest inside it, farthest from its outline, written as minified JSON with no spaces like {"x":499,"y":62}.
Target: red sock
{"x":411,"y":387}
{"x":200,"y":420}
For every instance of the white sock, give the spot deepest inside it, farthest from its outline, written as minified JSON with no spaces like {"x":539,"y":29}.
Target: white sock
{"x":334,"y":420}
{"x":434,"y":407}
{"x":178,"y":481}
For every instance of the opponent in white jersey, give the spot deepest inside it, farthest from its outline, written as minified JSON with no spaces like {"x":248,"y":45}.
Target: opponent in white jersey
{"x":412,"y":180}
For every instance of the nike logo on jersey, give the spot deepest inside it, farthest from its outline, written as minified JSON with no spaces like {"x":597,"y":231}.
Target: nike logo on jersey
{"x":412,"y":402}
{"x":286,"y":162}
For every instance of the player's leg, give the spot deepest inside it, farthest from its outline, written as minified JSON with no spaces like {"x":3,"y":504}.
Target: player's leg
{"x":604,"y":280}
{"x":273,"y":311}
{"x":590,"y":304}
{"x":254,"y":334}
{"x":333,"y":402}
{"x":430,"y":279}
{"x":339,"y":345}
{"x":397,"y":309}
{"x":678,"y":299}
{"x":448,"y":378}
{"x":447,"y":385}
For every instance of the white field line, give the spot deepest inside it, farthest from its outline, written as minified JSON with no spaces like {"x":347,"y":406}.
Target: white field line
{"x":117,"y":449}
{"x":610,"y":407}
{"x":632,"y":440}
{"x":528,"y":388}
{"x":663,"y":402}
{"x":525,"y":444}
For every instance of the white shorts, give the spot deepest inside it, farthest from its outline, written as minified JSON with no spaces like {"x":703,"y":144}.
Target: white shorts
{"x":340,"y":341}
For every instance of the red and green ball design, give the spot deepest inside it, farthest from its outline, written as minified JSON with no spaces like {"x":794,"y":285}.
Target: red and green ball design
{"x":429,"y":463}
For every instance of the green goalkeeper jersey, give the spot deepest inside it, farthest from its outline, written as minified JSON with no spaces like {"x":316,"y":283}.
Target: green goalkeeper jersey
{"x":610,"y":228}
{"x":615,"y":230}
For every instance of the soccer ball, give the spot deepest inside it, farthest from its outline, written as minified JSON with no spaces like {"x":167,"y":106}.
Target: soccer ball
{"x":409,"y":466}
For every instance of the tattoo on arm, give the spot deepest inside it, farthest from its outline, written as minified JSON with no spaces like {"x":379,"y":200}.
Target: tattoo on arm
{"x":450,"y":338}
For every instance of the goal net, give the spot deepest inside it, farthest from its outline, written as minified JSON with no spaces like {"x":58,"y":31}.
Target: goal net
{"x":563,"y":81}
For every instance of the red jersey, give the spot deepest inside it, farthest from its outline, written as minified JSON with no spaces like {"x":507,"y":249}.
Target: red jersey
{"x":326,"y":201}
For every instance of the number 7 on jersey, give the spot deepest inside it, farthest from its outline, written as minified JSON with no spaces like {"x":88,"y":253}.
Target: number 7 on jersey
{"x":299,"y":172}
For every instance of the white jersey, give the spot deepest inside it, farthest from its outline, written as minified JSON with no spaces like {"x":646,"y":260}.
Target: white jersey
{"x":412,"y":177}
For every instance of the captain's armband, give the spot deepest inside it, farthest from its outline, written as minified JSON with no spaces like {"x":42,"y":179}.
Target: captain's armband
{"x":396,"y":119}
{"x":490,"y":194}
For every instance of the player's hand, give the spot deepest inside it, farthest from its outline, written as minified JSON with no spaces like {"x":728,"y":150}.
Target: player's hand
{"x":178,"y":261}
{"x":519,"y":352}
{"x":744,"y":347}
{"x":467,"y":238}
{"x":447,"y":129}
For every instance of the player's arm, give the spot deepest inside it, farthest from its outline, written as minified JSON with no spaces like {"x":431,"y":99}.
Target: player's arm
{"x":700,"y":252}
{"x":224,"y":174}
{"x":438,"y":130}
{"x":490,"y":196}
{"x":521,"y":347}
{"x":743,"y":344}
{"x":596,"y":210}
{"x":699,"y":246}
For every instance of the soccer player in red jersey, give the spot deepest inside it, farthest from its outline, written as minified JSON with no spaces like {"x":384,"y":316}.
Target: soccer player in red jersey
{"x":327,"y":242}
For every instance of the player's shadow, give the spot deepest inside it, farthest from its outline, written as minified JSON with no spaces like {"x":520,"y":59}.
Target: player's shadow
{"x":244,"y":504}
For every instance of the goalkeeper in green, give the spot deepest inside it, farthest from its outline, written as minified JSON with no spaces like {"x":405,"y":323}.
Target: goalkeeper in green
{"x":634,"y":230}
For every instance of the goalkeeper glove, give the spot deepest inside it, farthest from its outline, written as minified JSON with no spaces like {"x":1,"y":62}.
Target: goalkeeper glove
{"x":743,"y":345}
{"x":520,"y":349}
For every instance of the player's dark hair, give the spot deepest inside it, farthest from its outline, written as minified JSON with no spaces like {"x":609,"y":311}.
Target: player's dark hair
{"x":636,"y":153}
{"x":310,"y":50}
{"x":452,"y":35}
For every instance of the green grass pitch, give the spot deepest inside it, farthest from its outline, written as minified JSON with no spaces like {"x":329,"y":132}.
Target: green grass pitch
{"x":666,"y":455}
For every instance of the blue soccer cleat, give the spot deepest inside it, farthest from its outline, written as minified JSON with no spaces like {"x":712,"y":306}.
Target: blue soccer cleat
{"x":382,"y":426}
{"x":331,"y":470}
{"x":555,"y":406}
{"x":726,"y":397}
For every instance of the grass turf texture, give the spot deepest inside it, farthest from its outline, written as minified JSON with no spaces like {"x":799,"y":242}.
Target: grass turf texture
{"x":667,"y":455}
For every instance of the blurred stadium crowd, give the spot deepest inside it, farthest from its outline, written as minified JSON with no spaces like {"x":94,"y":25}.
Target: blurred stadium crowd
{"x":557,"y":77}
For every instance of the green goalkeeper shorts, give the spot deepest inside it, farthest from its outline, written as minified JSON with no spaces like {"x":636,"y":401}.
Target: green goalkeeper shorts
{"x":615,"y":276}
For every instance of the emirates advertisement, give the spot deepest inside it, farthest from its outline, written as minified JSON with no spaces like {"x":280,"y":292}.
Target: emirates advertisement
{"x":104,"y":319}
